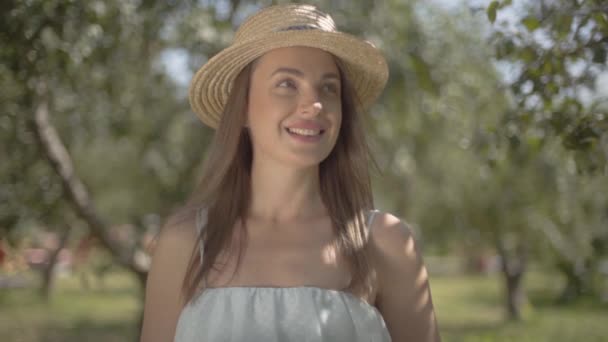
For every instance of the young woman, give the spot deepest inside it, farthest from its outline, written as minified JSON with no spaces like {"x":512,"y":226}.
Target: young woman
{"x":281,"y":242}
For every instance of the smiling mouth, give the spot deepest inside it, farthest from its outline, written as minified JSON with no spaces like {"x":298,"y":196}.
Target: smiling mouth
{"x":305,"y":132}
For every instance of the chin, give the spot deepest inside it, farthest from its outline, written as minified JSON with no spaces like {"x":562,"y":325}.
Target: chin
{"x":307,"y":161}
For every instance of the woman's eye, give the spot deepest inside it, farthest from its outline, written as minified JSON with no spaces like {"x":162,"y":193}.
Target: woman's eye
{"x":331,"y":88}
{"x":286,"y":84}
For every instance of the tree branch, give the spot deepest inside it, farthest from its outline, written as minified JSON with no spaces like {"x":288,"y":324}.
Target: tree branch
{"x":61,"y":162}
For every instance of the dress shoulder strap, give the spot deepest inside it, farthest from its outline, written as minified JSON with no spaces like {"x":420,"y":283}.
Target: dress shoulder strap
{"x":370,"y":218}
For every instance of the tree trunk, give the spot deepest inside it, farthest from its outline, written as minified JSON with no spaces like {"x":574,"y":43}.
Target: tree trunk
{"x":77,"y":193}
{"x":579,"y":279}
{"x":48,"y":272}
{"x":515,"y":293}
{"x":513,"y":267}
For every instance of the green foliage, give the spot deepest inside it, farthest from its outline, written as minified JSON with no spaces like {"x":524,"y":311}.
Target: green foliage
{"x":531,"y":23}
{"x":122,"y":118}
{"x":559,"y":117}
{"x":560,"y":47}
{"x":492,"y":8}
{"x":466,"y":159}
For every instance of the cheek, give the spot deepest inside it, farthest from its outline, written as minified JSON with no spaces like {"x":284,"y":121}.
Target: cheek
{"x":267,"y":107}
{"x":264,"y":120}
{"x":253,"y":107}
{"x":337,"y":115}
{"x":258,"y":111}
{"x":337,"y":122}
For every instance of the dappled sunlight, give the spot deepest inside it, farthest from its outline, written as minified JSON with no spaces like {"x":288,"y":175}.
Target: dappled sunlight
{"x":490,"y":138}
{"x":329,"y":255}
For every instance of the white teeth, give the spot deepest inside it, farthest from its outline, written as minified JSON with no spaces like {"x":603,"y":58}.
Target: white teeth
{"x":304,"y":131}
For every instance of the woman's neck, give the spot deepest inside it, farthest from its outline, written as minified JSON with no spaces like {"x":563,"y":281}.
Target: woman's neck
{"x":283,"y":194}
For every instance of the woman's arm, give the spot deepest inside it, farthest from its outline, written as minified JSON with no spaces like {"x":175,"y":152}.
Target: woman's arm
{"x":404,"y":296}
{"x":163,"y":301}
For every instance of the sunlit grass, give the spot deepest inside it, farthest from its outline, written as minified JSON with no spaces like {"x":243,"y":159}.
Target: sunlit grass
{"x":107,"y":313}
{"x":469,"y":308}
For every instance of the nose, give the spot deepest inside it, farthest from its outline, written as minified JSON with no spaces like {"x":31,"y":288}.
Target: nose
{"x":315,"y":108}
{"x":311,"y":106}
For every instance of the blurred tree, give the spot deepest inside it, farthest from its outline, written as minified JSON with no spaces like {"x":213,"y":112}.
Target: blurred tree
{"x":96,"y":125}
{"x":453,"y":161}
{"x":445,"y":94}
{"x":88,"y":101}
{"x":557,"y":51}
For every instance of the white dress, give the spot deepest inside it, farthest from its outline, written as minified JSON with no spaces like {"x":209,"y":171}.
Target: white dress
{"x":279,"y":314}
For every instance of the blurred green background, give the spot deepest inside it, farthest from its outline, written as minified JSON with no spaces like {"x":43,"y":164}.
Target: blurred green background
{"x":491,"y":140}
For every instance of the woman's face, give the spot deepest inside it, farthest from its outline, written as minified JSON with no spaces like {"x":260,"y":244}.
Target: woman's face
{"x":294,"y":111}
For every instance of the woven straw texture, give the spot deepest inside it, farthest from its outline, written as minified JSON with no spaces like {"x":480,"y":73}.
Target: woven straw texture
{"x":284,"y":26}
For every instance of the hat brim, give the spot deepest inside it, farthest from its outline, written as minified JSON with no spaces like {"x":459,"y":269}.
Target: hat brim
{"x":364,"y":65}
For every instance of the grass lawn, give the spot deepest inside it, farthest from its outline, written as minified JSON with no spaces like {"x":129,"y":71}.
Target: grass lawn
{"x":468,"y":309}
{"x":100,"y":314}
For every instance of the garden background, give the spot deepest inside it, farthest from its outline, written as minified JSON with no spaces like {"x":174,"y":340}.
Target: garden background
{"x":491,"y":139}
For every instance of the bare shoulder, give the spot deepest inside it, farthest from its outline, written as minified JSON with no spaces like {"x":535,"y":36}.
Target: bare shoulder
{"x":389,"y":230}
{"x":179,"y":230}
{"x":393,"y":246}
{"x":174,"y":244}
{"x":170,"y":257}
{"x":404,"y":296}
{"x":395,"y":254}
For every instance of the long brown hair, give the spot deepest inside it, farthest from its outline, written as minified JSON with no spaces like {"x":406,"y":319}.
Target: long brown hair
{"x":224,"y":189}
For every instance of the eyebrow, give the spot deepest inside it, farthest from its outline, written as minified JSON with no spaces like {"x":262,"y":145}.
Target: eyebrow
{"x":299,"y":73}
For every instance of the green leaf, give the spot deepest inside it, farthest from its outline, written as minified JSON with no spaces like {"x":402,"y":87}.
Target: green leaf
{"x":423,"y":75}
{"x":564,"y":24}
{"x":528,"y":55}
{"x":599,"y":54}
{"x":530,"y":23}
{"x":601,"y":20}
{"x":492,"y":11}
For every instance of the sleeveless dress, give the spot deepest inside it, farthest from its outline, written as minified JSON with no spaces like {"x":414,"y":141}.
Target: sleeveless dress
{"x":279,"y":314}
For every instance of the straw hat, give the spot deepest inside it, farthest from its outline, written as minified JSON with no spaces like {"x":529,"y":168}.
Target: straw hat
{"x":284,"y":26}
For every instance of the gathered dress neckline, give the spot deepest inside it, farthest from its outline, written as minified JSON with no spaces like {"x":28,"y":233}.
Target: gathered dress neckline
{"x":302,"y":313}
{"x":294,"y":288}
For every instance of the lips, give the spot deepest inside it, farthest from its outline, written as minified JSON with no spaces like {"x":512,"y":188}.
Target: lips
{"x":306,"y":128}
{"x":305,"y":131}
